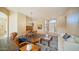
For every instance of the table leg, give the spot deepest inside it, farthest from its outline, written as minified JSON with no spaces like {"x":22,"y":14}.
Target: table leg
{"x":49,"y":41}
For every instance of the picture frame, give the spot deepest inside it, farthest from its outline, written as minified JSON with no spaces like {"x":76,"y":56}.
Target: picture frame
{"x":39,"y":26}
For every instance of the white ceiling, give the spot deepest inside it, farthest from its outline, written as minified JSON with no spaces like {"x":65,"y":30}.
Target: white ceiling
{"x":39,"y":12}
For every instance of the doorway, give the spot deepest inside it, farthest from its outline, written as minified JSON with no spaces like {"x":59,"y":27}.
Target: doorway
{"x":52,"y":25}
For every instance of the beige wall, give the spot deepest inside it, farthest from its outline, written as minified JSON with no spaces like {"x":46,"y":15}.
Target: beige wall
{"x":21,"y":25}
{"x":72,"y":17}
{"x":17,"y":22}
{"x":36,"y":23}
{"x":12,"y":22}
{"x":61,"y":24}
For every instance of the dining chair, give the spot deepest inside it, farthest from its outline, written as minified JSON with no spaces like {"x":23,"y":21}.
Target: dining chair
{"x":13,"y":35}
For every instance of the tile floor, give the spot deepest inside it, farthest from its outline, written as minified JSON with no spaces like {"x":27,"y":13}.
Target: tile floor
{"x":8,"y":45}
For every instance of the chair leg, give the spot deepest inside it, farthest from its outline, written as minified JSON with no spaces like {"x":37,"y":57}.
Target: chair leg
{"x":48,"y":43}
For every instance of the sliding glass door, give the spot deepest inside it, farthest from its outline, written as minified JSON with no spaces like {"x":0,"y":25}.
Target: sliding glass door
{"x":3,"y":31}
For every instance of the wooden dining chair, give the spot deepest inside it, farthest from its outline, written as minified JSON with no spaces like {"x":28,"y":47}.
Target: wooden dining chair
{"x":13,"y":35}
{"x":23,"y":44}
{"x":18,"y":44}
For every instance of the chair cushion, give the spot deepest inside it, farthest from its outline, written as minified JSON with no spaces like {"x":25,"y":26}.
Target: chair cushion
{"x":23,"y":39}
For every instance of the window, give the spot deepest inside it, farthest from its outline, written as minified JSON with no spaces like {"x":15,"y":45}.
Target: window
{"x":3,"y":25}
{"x":52,"y":25}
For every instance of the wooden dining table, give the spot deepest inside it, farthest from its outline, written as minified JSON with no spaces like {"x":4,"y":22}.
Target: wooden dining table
{"x":35,"y":40}
{"x":34,"y":48}
{"x":47,"y":39}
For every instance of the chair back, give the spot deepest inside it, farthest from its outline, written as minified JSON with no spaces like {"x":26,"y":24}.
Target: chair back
{"x":13,"y":35}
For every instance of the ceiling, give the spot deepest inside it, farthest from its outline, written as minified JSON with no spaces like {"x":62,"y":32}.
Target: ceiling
{"x":40,"y":12}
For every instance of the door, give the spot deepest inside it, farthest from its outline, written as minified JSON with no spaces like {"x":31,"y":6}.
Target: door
{"x":3,"y":31}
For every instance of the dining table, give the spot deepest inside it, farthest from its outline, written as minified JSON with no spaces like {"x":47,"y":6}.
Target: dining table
{"x":47,"y":39}
{"x":35,"y":40}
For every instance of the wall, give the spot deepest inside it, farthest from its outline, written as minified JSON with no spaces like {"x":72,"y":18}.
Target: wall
{"x":12,"y":22}
{"x":21,"y":25}
{"x":17,"y":23}
{"x":73,"y":21}
{"x":28,"y":21}
{"x":61,"y":24}
{"x":40,"y":22}
{"x":36,"y":22}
